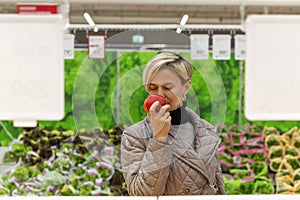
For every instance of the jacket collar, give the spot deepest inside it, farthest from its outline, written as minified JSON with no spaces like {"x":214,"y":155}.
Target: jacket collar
{"x":206,"y":144}
{"x":206,"y":139}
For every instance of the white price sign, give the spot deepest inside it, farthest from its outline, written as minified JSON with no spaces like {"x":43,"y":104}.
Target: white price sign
{"x":199,"y":44}
{"x":96,"y":46}
{"x":240,"y":47}
{"x":221,"y":47}
{"x":69,"y":46}
{"x":272,"y":67}
{"x":32,"y":68}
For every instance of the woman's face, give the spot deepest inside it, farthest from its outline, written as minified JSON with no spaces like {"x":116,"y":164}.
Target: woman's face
{"x":167,"y":84}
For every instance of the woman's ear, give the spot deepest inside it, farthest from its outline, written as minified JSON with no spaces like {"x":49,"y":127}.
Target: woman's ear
{"x":187,"y":86}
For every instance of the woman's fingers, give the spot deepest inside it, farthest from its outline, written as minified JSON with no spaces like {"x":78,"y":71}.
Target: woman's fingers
{"x":164,"y":109}
{"x":156,"y":108}
{"x":153,"y":107}
{"x":160,"y":121}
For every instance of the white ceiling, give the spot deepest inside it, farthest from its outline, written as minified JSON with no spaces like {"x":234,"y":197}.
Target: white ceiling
{"x":129,"y":14}
{"x":165,"y":12}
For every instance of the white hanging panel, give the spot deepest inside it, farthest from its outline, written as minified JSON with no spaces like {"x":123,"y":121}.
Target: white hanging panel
{"x":240,"y":47}
{"x":32,"y":68}
{"x":199,"y":44}
{"x":96,"y":46}
{"x":221,"y":47}
{"x":69,"y":44}
{"x":272,"y":67}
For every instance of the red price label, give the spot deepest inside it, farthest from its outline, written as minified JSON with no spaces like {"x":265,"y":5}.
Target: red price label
{"x":36,"y":9}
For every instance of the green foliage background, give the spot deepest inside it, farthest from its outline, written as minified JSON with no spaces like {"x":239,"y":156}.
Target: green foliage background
{"x":92,"y":85}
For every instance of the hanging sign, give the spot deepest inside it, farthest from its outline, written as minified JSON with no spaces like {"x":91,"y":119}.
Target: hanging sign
{"x":37,"y":8}
{"x":272,"y":67}
{"x":69,"y":46}
{"x":199,"y":44}
{"x":240,"y":47}
{"x":221,"y":47}
{"x":32,"y":68}
{"x":96,"y":46}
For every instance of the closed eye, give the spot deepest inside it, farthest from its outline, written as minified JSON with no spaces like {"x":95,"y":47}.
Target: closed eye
{"x":151,"y":88}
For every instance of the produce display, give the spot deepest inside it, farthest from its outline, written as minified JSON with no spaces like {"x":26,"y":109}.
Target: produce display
{"x":64,"y":163}
{"x":60,"y":158}
{"x":284,"y":156}
{"x":243,"y":158}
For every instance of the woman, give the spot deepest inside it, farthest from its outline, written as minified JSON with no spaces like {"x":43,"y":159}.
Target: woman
{"x":172,"y":151}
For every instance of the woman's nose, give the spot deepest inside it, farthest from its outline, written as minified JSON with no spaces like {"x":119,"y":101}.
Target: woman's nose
{"x":160,"y":92}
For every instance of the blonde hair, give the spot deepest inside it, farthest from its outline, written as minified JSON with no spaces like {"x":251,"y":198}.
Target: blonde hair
{"x":167,"y":60}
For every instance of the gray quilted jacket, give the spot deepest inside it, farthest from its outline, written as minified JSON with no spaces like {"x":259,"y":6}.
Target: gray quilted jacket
{"x":154,"y":168}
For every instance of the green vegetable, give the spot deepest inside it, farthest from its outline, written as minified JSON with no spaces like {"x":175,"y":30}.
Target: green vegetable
{"x":297,"y":143}
{"x":263,"y":185}
{"x":57,"y":165}
{"x":20,"y":150}
{"x":274,"y":140}
{"x":240,"y":173}
{"x":260,"y":169}
{"x":257,"y":157}
{"x":247,"y":187}
{"x":296,"y":175}
{"x":283,"y":173}
{"x":21,"y":174}
{"x":3,"y":191}
{"x":293,"y":161}
{"x":53,"y":178}
{"x":290,"y":133}
{"x":68,"y":190}
{"x":292,"y":151}
{"x":275,"y":153}
{"x":270,"y":131}
{"x":253,"y":128}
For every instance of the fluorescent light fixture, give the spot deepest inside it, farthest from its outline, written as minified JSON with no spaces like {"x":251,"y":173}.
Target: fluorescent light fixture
{"x":96,"y":29}
{"x":184,"y":20}
{"x":138,"y":39}
{"x":178,"y":30}
{"x":89,"y":19}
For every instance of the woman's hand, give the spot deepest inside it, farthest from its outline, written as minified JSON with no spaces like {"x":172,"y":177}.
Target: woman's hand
{"x":160,"y":121}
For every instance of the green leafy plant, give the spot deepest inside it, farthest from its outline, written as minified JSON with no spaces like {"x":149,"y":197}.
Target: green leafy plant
{"x":51,"y":162}
{"x":243,"y":159}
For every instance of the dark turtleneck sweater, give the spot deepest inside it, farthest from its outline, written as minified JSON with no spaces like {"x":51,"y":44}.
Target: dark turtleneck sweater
{"x":179,"y":115}
{"x":185,"y":131}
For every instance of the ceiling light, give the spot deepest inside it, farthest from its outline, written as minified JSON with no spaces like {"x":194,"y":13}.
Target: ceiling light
{"x":96,"y":29}
{"x":184,"y":20}
{"x":89,"y":19}
{"x":178,"y":30}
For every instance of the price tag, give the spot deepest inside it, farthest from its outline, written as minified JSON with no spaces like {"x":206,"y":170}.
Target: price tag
{"x":69,"y":46}
{"x":31,"y":8}
{"x":96,"y":46}
{"x":240,"y":47}
{"x":221,"y":47}
{"x":199,"y":44}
